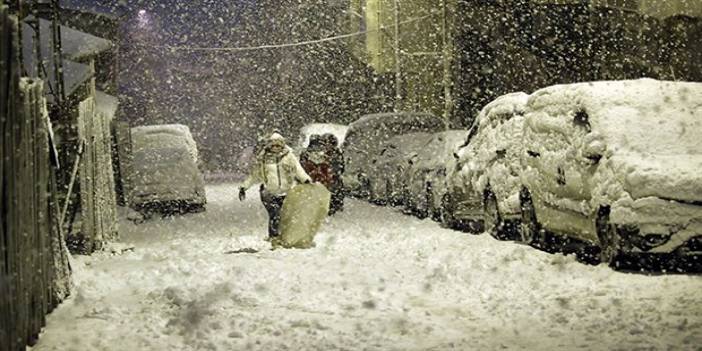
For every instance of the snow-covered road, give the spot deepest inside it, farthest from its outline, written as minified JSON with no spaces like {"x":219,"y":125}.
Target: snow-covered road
{"x":377,"y":280}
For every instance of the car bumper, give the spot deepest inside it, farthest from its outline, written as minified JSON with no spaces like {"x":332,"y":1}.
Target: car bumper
{"x":657,"y":226}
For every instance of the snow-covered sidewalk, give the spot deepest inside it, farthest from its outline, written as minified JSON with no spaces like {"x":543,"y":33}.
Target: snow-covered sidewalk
{"x":377,"y":280}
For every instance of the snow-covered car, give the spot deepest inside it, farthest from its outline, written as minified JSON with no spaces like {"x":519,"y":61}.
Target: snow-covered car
{"x":366,"y":135}
{"x":387,"y":178}
{"x":484,"y":186}
{"x":338,"y":130}
{"x":615,"y":166}
{"x":426,"y":183}
{"x":165,"y":175}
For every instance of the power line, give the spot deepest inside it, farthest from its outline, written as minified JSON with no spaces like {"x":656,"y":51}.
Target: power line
{"x":285,"y":45}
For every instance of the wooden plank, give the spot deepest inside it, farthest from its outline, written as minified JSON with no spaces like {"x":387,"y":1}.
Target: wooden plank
{"x":5,"y":63}
{"x":41,"y":162}
{"x":109,"y":180}
{"x":11,"y":169}
{"x":26,"y":213}
{"x":89,"y":228}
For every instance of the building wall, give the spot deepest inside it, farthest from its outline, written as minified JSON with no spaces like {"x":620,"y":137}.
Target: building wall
{"x":521,"y":45}
{"x":421,"y":64}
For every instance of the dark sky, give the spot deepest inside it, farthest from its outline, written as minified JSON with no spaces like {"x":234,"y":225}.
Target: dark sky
{"x":201,"y":22}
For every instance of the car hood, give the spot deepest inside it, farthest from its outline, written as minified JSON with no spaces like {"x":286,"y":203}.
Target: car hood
{"x":673,"y":177}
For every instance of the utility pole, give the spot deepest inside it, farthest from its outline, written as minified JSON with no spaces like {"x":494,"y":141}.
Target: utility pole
{"x":446,"y":58}
{"x":398,"y":66}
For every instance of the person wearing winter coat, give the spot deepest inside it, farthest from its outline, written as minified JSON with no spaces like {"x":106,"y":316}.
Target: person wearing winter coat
{"x":324,"y":163}
{"x":336,"y":157}
{"x":278,"y":170}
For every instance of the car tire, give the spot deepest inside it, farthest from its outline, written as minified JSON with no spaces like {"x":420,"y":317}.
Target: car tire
{"x":425,"y":211}
{"x":492,"y":214}
{"x":446,"y":212}
{"x":432,"y":210}
{"x":609,"y":242}
{"x":530,"y":228}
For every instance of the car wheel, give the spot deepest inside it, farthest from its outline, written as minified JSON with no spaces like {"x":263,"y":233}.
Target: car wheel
{"x":530,"y":227}
{"x":364,"y":190}
{"x":606,"y":233}
{"x":446,"y":212}
{"x":492,"y":214}
{"x":425,"y":210}
{"x":432,"y":210}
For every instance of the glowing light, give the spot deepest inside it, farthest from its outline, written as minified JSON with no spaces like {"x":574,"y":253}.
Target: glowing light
{"x":143,"y":19}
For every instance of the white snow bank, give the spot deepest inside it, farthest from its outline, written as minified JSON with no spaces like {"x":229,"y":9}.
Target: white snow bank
{"x":377,"y":280}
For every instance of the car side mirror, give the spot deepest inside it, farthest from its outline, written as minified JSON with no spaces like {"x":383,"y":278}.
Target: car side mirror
{"x":593,"y":150}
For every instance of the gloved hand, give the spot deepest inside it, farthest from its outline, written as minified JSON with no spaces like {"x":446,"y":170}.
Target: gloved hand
{"x":242,"y":194}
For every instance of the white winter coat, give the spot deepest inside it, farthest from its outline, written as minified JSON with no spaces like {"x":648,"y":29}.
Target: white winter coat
{"x":277,"y":173}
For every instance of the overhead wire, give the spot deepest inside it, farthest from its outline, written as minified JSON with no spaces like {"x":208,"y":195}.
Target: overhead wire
{"x":285,"y":45}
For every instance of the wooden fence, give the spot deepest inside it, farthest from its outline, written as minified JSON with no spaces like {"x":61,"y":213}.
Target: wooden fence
{"x":97,"y":185}
{"x":34,"y":268}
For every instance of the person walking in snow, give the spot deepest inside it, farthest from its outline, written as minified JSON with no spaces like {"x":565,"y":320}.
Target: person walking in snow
{"x":278,"y":170}
{"x":324,"y":163}
{"x":336,"y":157}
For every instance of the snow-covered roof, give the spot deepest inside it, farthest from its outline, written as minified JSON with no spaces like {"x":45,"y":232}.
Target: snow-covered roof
{"x":76,"y":45}
{"x":75,"y":74}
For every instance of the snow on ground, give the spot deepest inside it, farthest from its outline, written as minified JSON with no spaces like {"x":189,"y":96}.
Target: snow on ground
{"x":377,"y":280}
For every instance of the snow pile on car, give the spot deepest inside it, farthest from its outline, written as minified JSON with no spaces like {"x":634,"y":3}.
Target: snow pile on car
{"x":493,"y":155}
{"x":338,"y":130}
{"x":164,"y":165}
{"x":645,"y":135}
{"x":180,"y":133}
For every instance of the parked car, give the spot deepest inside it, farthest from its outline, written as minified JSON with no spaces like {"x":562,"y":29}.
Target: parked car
{"x":426,"y":178}
{"x":387,"y":178}
{"x":484,"y":185}
{"x":366,"y":135}
{"x":338,"y":130}
{"x":614,"y":167}
{"x":165,"y":177}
